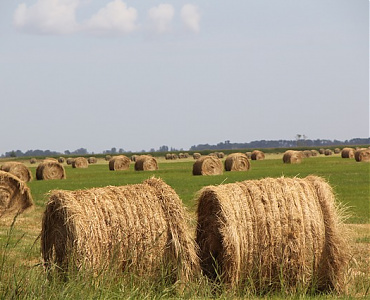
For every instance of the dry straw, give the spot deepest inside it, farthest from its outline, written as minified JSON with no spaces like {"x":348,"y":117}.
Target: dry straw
{"x":92,"y":160}
{"x":196,"y":155}
{"x":292,"y":157}
{"x":33,"y":160}
{"x":146,"y":163}
{"x":18,"y":169}
{"x":271,"y":234}
{"x":348,"y":153}
{"x":141,"y":228}
{"x":257,"y":155}
{"x":208,"y":165}
{"x":61,"y":160}
{"x":15,"y":196}
{"x":362,"y":155}
{"x":70,"y":160}
{"x":119,"y":163}
{"x":80,"y":162}
{"x":49,"y":170}
{"x":328,"y":152}
{"x":237,"y":162}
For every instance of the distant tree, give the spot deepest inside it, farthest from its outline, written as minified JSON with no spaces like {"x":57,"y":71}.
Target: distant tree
{"x":113,"y":150}
{"x":13,"y":154}
{"x":163,"y":148}
{"x":67,"y":152}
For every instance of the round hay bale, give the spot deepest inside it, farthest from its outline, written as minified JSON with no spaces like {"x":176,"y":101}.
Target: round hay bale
{"x":92,"y":160}
{"x":168,"y":156}
{"x":70,"y":160}
{"x":348,"y":153}
{"x":315,"y":152}
{"x":362,"y":155}
{"x":181,"y":155}
{"x":80,"y":162}
{"x":328,"y":152}
{"x":257,"y":155}
{"x":18,"y":169}
{"x":133,"y":157}
{"x":322,"y":151}
{"x":33,"y":161}
{"x":292,"y":157}
{"x":208,"y":165}
{"x":220,"y":154}
{"x":336,"y":150}
{"x":119,"y":163}
{"x":146,"y":163}
{"x":283,"y":233}
{"x":141,"y":228}
{"x":237,"y":162}
{"x":196,"y":155}
{"x":186,"y":155}
{"x":307,"y":153}
{"x":15,"y":196}
{"x":61,"y":160}
{"x":249,"y":154}
{"x":50,"y":170}
{"x":108,"y":157}
{"x":51,"y":158}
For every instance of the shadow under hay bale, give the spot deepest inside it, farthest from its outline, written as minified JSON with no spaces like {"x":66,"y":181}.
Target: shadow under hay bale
{"x":292,"y":157}
{"x":50,"y":170}
{"x":141,"y":228}
{"x":272,"y":234}
{"x":15,"y":196}
{"x":348,"y":153}
{"x":18,"y":169}
{"x":80,"y":162}
{"x":237,"y":162}
{"x":362,"y":155}
{"x":119,"y":163}
{"x":257,"y":155}
{"x":208,"y":165}
{"x":146,"y":163}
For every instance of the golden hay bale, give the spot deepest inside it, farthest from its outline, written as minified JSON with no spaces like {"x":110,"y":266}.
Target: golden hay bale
{"x":141,"y":228}
{"x":133,"y":157}
{"x":181,"y":155}
{"x":33,"y":161}
{"x":51,"y":158}
{"x":248,"y":154}
{"x":92,"y":160}
{"x":315,"y":152}
{"x":257,"y":155}
{"x":146,"y":163}
{"x":119,"y":163}
{"x":61,"y":160}
{"x":362,"y":155}
{"x":168,"y":156}
{"x":220,"y":154}
{"x":322,"y":151}
{"x":292,"y":157}
{"x":15,"y":196}
{"x":80,"y":162}
{"x":18,"y":169}
{"x":348,"y":153}
{"x":306,"y":153}
{"x":49,"y":170}
{"x":237,"y":162}
{"x":272,"y":233}
{"x":328,"y":152}
{"x":70,"y":160}
{"x":108,"y":157}
{"x":208,"y":165}
{"x":196,"y":155}
{"x":337,"y":150}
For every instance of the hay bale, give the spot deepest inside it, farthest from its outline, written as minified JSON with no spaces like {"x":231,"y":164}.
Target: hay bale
{"x":61,"y":160}
{"x":108,"y":157}
{"x":51,"y":158}
{"x":70,"y":160}
{"x":141,"y":228}
{"x":80,"y":162}
{"x":168,"y":156}
{"x":92,"y":160}
{"x":220,"y":154}
{"x":306,"y":153}
{"x":257,"y":155}
{"x":315,"y":152}
{"x":208,"y":165}
{"x":119,"y":163}
{"x":133,"y":157}
{"x":292,"y":157}
{"x":196,"y":155}
{"x":336,"y":150}
{"x":362,"y":155}
{"x":348,"y":153}
{"x":15,"y":196}
{"x":328,"y":152}
{"x":18,"y":169}
{"x":248,"y":154}
{"x":146,"y":163}
{"x":33,"y":161}
{"x":283,"y":233}
{"x":237,"y":162}
{"x":50,"y":170}
{"x":322,"y":151}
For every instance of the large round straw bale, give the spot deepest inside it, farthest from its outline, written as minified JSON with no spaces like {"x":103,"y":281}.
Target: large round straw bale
{"x":146,"y":163}
{"x":237,"y":162}
{"x":92,"y":160}
{"x":362,"y":155}
{"x":272,"y":234}
{"x":70,"y":160}
{"x":292,"y":157}
{"x":257,"y":155}
{"x":15,"y":196}
{"x":80,"y":162}
{"x":141,"y":228}
{"x":348,"y":153}
{"x":328,"y":152}
{"x":196,"y":155}
{"x":18,"y":169}
{"x":208,"y":165}
{"x":61,"y":160}
{"x":49,"y":170}
{"x":119,"y":163}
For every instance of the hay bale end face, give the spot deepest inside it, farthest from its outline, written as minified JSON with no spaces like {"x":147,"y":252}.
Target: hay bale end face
{"x":119,"y":163}
{"x":348,"y":153}
{"x":208,"y":165}
{"x":362,"y":155}
{"x":237,"y":162}
{"x":292,"y":157}
{"x":80,"y":162}
{"x":18,"y":169}
{"x":196,"y":155}
{"x":270,"y":232}
{"x":50,"y":170}
{"x":257,"y":155}
{"x":146,"y":163}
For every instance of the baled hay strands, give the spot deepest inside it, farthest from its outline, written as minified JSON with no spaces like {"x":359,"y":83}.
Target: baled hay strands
{"x":328,"y":152}
{"x":139,"y":228}
{"x":146,"y":163}
{"x":61,"y":160}
{"x":49,"y":170}
{"x":362,"y":155}
{"x":80,"y":162}
{"x":337,"y":150}
{"x":18,"y":169}
{"x":196,"y":155}
{"x":292,"y":157}
{"x":15,"y":196}
{"x":272,"y":233}
{"x":348,"y":153}
{"x":92,"y":160}
{"x":307,"y":153}
{"x":33,"y":161}
{"x":257,"y":155}
{"x":237,"y":162}
{"x":120,"y":162}
{"x":315,"y":152}
{"x":208,"y":165}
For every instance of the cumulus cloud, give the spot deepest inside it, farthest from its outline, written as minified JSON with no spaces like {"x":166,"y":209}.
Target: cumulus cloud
{"x":161,"y":17}
{"x":190,"y":16}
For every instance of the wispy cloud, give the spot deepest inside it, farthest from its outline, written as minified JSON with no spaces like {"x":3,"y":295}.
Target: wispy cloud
{"x":191,"y":17}
{"x":161,"y":17}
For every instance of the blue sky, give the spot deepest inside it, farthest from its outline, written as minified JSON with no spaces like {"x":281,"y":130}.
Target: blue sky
{"x":141,"y":74}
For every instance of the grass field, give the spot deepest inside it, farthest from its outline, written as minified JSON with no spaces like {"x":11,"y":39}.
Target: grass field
{"x":21,"y":274}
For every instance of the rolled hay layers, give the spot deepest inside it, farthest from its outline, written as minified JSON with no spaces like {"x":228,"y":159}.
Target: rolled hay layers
{"x":80,"y":162}
{"x":50,"y":170}
{"x":292,"y":157}
{"x":119,"y":163}
{"x":348,"y":153}
{"x":139,"y":228}
{"x":237,"y":162}
{"x":208,"y":165}
{"x":146,"y":163}
{"x":272,"y":233}
{"x":257,"y":155}
{"x":362,"y":155}
{"x":15,"y":196}
{"x":18,"y":169}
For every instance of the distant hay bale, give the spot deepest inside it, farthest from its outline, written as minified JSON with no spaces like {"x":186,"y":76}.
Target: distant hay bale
{"x":18,"y":169}
{"x":119,"y":163}
{"x":186,"y":155}
{"x":348,"y":153}
{"x":50,"y":170}
{"x":322,"y":151}
{"x":141,"y":228}
{"x":272,"y":234}
{"x":146,"y":163}
{"x":362,"y":155}
{"x":315,"y":152}
{"x":70,"y":160}
{"x":168,"y":156}
{"x":336,"y":150}
{"x":15,"y":196}
{"x":181,"y":155}
{"x":208,"y":165}
{"x":220,"y":154}
{"x":80,"y":162}
{"x":196,"y":155}
{"x":133,"y":157}
{"x":92,"y":160}
{"x":249,"y":154}
{"x":51,"y":158}
{"x":61,"y":160}
{"x":328,"y":152}
{"x":257,"y":155}
{"x":108,"y":157}
{"x":292,"y":157}
{"x":306,"y":153}
{"x":33,"y":161}
{"x":237,"y":162}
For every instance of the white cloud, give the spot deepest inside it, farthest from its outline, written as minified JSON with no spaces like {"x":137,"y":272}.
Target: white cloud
{"x":190,"y":16}
{"x":161,"y":16}
{"x":47,"y":17}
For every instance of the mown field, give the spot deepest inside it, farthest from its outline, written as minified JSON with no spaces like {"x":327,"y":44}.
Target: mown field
{"x":22,"y":274}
